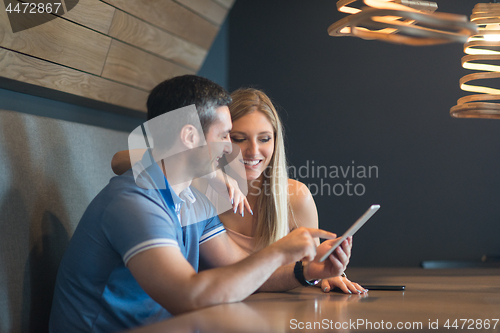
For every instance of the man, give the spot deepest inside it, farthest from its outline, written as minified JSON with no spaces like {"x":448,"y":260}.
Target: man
{"x":133,"y":258}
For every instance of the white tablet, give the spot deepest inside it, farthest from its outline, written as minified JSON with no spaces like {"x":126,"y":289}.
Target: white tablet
{"x":352,"y":230}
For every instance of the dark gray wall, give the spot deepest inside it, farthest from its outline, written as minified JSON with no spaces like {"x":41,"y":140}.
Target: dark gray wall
{"x":377,"y":104}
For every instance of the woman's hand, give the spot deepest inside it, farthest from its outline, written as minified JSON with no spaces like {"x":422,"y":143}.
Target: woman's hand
{"x":224,"y":184}
{"x":343,"y":283}
{"x":334,"y":265}
{"x":237,"y":198}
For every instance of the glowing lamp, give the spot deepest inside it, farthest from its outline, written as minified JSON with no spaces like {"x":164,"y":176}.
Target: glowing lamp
{"x":408,"y":22}
{"x":483,"y":54}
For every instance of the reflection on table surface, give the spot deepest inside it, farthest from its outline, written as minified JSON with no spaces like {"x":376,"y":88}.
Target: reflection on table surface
{"x":431,"y":298}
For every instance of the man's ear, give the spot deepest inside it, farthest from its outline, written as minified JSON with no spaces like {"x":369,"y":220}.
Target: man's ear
{"x":190,"y":137}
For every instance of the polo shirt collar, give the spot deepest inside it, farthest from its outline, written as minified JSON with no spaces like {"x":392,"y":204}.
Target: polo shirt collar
{"x":159,"y":181}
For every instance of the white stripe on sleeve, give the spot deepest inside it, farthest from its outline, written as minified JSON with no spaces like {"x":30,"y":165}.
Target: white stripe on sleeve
{"x":211,"y":234}
{"x":152,"y":243}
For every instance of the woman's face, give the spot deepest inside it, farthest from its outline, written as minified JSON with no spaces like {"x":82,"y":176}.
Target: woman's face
{"x":254,"y":134}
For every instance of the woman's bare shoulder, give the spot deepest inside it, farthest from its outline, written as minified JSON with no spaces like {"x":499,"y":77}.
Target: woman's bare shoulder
{"x":304,"y":212}
{"x":298,"y":192}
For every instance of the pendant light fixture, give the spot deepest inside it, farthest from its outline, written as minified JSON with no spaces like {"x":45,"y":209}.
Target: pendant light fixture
{"x":483,"y":54}
{"x":407,"y":22}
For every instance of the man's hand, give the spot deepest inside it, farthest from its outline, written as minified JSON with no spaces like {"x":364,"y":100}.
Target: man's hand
{"x":334,"y":265}
{"x":299,"y":244}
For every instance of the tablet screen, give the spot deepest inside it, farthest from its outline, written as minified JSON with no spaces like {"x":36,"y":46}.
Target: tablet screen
{"x":352,"y":230}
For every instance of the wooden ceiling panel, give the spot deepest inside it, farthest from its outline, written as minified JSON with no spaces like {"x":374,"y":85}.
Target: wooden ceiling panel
{"x":59,"y":41}
{"x":211,"y":10}
{"x":93,"y":14}
{"x":148,"y":37}
{"x":171,"y":17}
{"x":44,"y":74}
{"x":129,"y":65}
{"x":110,"y":51}
{"x":225,"y":3}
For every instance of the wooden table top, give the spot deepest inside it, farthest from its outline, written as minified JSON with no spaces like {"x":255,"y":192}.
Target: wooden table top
{"x":461,"y":299}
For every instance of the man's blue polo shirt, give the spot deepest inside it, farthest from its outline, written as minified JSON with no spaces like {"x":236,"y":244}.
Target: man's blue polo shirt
{"x":95,"y":291}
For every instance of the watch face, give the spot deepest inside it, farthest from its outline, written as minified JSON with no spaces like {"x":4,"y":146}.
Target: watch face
{"x":313,"y":282}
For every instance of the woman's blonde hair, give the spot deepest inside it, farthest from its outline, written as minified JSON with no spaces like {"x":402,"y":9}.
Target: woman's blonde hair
{"x":272,"y":203}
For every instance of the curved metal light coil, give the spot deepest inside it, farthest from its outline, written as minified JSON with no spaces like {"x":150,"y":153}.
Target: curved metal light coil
{"x":397,"y":23}
{"x":481,"y":49}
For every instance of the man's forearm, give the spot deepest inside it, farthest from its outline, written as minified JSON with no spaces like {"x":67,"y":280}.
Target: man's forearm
{"x":238,"y":281}
{"x":283,"y":279}
{"x":185,"y":290}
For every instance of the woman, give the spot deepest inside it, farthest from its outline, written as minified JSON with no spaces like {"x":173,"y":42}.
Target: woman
{"x":277,"y":204}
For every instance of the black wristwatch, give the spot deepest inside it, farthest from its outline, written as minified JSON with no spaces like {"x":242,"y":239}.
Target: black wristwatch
{"x":298,"y":271}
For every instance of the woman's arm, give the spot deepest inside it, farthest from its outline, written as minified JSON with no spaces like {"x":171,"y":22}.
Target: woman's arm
{"x":305,"y":214}
{"x":121,"y":161}
{"x":222,"y":185}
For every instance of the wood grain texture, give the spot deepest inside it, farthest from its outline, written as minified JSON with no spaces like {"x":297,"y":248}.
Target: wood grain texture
{"x":431,"y":296}
{"x":110,"y":51}
{"x":171,"y":17}
{"x":209,"y":9}
{"x":93,"y":14}
{"x":148,"y":37}
{"x":129,"y":65}
{"x":58,"y":41}
{"x":34,"y":71}
{"x":225,"y":3}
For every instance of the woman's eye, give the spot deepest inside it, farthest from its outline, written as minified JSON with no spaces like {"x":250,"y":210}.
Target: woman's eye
{"x":237,"y":140}
{"x":265,"y":139}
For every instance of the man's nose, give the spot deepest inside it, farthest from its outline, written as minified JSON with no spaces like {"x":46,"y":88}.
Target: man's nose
{"x":228,"y":147}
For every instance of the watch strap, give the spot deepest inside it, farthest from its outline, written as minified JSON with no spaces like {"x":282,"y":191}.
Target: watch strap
{"x":298,"y":271}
